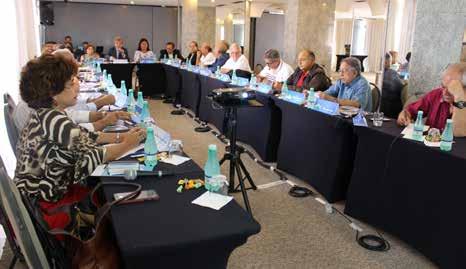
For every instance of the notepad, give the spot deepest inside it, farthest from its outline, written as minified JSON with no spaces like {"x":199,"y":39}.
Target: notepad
{"x":212,"y":200}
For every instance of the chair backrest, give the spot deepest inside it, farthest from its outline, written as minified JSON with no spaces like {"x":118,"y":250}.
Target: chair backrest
{"x":376,"y":97}
{"x":8,"y":110}
{"x":21,"y":222}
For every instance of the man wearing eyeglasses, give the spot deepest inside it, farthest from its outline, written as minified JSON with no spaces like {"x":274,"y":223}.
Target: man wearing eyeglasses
{"x":308,"y":74}
{"x":276,"y":70}
{"x":445,"y":102}
{"x":352,"y":89}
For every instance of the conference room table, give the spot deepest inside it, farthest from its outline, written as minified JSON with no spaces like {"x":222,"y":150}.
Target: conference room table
{"x":172,"y":232}
{"x":412,"y":191}
{"x":258,"y":127}
{"x":317,"y":148}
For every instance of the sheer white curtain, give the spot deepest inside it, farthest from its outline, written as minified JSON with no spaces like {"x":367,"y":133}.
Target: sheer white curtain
{"x":407,"y":28}
{"x":374,"y":44}
{"x":343,"y":32}
{"x":20,"y":43}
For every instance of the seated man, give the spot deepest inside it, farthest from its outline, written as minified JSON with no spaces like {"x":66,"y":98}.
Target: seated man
{"x":276,"y":71}
{"x":308,"y":74}
{"x":237,"y":60}
{"x":352,"y":89}
{"x":49,"y":47}
{"x":391,"y":90}
{"x":221,"y":55}
{"x":118,"y":51}
{"x":170,"y":52}
{"x":207,"y":57}
{"x":438,"y":105}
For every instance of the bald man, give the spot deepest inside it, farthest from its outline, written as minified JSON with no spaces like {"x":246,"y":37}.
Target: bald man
{"x":236,"y":61}
{"x":441,"y":103}
{"x":308,"y":74}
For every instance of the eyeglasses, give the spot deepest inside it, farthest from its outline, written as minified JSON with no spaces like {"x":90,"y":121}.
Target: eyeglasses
{"x":345,"y":70}
{"x":270,"y":62}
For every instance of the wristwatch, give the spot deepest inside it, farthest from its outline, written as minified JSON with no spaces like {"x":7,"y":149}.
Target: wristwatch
{"x":460,"y":104}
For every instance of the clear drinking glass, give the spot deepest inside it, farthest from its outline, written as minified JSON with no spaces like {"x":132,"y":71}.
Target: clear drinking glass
{"x":377,"y":119}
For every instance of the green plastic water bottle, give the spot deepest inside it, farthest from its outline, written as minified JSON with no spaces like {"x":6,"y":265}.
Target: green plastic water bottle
{"x":150,"y":150}
{"x":447,"y":136}
{"x":212,"y":167}
{"x":139,"y":103}
{"x":284,"y":90}
{"x":145,"y":115}
{"x":234,"y":78}
{"x":130,"y":102}
{"x":123,"y":88}
{"x":217,"y":72}
{"x":311,"y":98}
{"x":418,"y":127}
{"x":253,"y":81}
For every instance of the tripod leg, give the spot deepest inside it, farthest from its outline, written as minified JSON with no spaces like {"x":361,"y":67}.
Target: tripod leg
{"x":248,"y":176}
{"x":243,"y":189}
{"x":223,"y":160}
{"x":231,"y":188}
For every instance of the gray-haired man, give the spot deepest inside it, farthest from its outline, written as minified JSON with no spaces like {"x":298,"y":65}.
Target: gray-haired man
{"x":276,"y":71}
{"x":352,"y":89}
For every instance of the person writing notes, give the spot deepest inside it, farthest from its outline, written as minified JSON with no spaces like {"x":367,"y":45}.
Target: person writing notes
{"x":352,"y":89}
{"x":441,"y":103}
{"x":276,"y":70}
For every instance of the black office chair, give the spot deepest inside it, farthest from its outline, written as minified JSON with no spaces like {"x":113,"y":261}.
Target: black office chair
{"x":376,"y":97}
{"x":8,"y":109}
{"x":240,"y":73}
{"x":21,"y":223}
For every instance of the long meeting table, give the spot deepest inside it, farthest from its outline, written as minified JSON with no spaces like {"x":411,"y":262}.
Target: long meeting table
{"x":401,"y":186}
{"x":172,"y":232}
{"x":411,"y":191}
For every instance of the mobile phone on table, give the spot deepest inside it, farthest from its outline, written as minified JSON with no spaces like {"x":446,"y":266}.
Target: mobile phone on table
{"x":145,"y":195}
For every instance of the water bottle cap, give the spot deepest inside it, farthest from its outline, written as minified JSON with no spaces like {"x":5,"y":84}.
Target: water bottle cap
{"x":130,"y":90}
{"x":145,"y":102}
{"x":449,"y":121}
{"x":212,"y":147}
{"x":123,"y":82}
{"x":420,"y":112}
{"x":140,"y":93}
{"x":150,"y":130}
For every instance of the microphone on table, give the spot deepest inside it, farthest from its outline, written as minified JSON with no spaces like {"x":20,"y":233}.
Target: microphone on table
{"x":132,"y":174}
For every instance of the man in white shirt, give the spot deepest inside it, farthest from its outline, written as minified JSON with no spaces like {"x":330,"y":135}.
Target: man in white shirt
{"x":207,"y":57}
{"x":236,"y":61}
{"x":276,"y":71}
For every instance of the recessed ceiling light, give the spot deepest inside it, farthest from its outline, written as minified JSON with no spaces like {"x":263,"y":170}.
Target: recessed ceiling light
{"x":131,"y":2}
{"x":324,"y":4}
{"x":213,"y":1}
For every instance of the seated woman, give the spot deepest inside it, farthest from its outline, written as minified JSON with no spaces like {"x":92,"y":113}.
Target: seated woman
{"x":89,"y":56}
{"x":54,"y":155}
{"x":143,"y":51}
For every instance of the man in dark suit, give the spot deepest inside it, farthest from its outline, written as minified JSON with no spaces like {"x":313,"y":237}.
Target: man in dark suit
{"x":170,"y":52}
{"x":118,"y":51}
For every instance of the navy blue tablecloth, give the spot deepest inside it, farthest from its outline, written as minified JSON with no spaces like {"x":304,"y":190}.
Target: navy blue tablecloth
{"x":316,"y":148}
{"x":260,"y":127}
{"x":173,"y":232}
{"x":173,"y":81}
{"x":207,"y":111}
{"x":151,"y":79}
{"x":420,"y":196}
{"x":190,"y":90}
{"x":120,"y":72}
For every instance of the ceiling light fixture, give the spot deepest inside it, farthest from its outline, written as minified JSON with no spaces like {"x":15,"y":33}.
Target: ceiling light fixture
{"x":131,"y":2}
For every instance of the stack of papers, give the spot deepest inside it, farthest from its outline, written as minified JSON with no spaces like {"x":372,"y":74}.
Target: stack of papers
{"x":212,"y":200}
{"x":408,"y":131}
{"x":175,"y":159}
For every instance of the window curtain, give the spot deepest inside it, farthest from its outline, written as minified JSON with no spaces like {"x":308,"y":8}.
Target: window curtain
{"x":407,"y":29}
{"x":20,"y":21}
{"x":374,"y":44}
{"x":343,"y":33}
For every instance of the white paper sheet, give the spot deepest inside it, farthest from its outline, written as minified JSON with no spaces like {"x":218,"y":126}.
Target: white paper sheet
{"x":175,"y":159}
{"x":212,"y":200}
{"x":408,"y":131}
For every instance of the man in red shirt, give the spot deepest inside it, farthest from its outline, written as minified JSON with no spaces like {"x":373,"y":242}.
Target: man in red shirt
{"x":437,"y":105}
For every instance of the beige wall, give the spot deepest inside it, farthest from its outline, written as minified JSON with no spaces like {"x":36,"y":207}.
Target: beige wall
{"x":310,"y":24}
{"x":188,"y":20}
{"x":206,"y":25}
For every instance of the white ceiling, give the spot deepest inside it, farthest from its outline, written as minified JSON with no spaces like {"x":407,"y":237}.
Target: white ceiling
{"x":170,"y":2}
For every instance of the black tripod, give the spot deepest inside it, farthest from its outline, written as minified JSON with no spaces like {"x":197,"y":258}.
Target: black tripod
{"x":233,"y":154}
